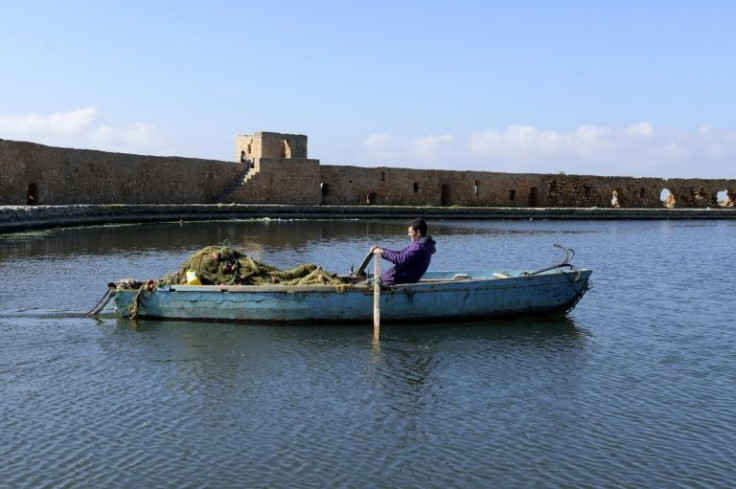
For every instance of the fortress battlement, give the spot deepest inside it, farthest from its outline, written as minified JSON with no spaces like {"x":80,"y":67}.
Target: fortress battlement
{"x":274,"y":168}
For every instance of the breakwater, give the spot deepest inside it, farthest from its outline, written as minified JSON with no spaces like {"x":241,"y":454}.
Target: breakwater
{"x":18,"y":218}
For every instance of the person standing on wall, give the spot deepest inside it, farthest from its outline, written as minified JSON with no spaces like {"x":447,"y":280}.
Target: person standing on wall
{"x":411,"y":262}
{"x":244,"y":159}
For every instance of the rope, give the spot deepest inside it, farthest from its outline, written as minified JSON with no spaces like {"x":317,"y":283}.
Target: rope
{"x":569,"y":254}
{"x":136,"y":303}
{"x":100,"y":304}
{"x":578,"y":293}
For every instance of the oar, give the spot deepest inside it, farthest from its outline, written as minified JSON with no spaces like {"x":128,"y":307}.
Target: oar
{"x":366,"y":261}
{"x":377,"y":298}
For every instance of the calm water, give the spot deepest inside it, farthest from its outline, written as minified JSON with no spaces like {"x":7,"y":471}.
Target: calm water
{"x":635,"y":388}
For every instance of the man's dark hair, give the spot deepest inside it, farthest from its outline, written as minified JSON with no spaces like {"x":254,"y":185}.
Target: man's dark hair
{"x":419,"y":225}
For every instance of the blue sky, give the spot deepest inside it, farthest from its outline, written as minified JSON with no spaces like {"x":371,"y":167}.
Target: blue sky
{"x":602,"y":88}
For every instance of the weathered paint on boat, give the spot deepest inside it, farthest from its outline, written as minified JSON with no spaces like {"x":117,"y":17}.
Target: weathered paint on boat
{"x":439,"y":296}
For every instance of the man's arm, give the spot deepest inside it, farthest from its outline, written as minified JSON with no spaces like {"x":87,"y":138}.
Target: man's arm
{"x":404,"y":257}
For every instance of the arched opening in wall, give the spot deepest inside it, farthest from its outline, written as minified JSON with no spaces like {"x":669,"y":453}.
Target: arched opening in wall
{"x":383,"y":176}
{"x":512,"y":195}
{"x":416,"y":187}
{"x":667,"y":198}
{"x":325,"y":187}
{"x":243,"y":159}
{"x":724,"y":199}
{"x":32,"y":194}
{"x":445,"y":197}
{"x":476,"y":188}
{"x":370,"y":199}
{"x":587,"y":191}
{"x":533,"y":197}
{"x":285,"y":149}
{"x":248,"y":150}
{"x":642,"y":193}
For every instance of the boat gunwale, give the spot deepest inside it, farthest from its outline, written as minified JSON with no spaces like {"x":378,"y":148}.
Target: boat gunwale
{"x":426,"y":284}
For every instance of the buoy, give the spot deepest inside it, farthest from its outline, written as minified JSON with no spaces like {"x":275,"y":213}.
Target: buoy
{"x":192,"y":278}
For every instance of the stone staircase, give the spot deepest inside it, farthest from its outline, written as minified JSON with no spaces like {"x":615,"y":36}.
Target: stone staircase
{"x":236,"y":185}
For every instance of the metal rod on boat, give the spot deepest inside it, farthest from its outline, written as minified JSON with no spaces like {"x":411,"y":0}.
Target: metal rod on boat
{"x":377,"y":298}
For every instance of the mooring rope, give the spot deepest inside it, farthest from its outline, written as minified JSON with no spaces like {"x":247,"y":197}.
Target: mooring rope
{"x":100,"y":304}
{"x":136,"y":304}
{"x":579,"y":293}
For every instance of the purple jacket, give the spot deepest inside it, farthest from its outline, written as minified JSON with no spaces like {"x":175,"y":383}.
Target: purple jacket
{"x":410,"y":263}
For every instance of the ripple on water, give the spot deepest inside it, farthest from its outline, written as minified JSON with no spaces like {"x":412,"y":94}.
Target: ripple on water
{"x":634,"y":389}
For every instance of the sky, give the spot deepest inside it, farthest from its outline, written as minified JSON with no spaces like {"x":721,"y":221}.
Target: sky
{"x":634,"y":88}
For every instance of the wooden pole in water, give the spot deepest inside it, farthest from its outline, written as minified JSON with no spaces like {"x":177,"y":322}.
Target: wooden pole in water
{"x":377,"y":297}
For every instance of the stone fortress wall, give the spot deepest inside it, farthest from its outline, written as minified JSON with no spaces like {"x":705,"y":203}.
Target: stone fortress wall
{"x":347,"y":185}
{"x":36,"y":174}
{"x":273,"y":168}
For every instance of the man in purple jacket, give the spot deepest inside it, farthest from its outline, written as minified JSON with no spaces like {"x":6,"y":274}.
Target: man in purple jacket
{"x":411,"y":262}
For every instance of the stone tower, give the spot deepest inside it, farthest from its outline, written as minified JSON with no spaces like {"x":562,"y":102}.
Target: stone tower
{"x":270,"y":145}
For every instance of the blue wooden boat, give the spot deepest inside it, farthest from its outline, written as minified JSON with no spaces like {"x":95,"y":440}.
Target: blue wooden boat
{"x":439,"y":296}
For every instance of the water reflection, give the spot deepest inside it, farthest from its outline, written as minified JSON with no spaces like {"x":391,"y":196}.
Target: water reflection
{"x":418,"y":356}
{"x":410,"y":362}
{"x":417,"y":368}
{"x":261,"y":234}
{"x":633,"y":388}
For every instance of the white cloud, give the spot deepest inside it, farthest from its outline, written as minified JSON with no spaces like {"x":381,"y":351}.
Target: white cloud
{"x":643,"y":129}
{"x":132,"y":139}
{"x":81,"y":129}
{"x":388,"y":150}
{"x":379,"y":147}
{"x":377,"y":141}
{"x":58,"y":123}
{"x":527,"y":141}
{"x":669,"y":152}
{"x":637,"y":149}
{"x":431,"y":148}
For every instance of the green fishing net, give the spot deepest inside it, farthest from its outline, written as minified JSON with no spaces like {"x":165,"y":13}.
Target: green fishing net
{"x":222,"y":265}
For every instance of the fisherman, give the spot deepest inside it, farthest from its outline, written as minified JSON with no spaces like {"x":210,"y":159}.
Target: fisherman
{"x":411,"y":262}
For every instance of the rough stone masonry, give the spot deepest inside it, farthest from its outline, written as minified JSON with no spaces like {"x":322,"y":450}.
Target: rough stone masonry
{"x":273,"y":168}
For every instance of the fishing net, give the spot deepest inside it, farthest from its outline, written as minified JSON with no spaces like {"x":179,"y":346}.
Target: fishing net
{"x":222,"y":265}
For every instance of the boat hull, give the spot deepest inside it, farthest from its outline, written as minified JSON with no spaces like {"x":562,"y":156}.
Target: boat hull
{"x":438,"y":297}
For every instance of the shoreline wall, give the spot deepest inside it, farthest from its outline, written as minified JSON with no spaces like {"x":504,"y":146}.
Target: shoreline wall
{"x":24,"y":217}
{"x":32,"y":173}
